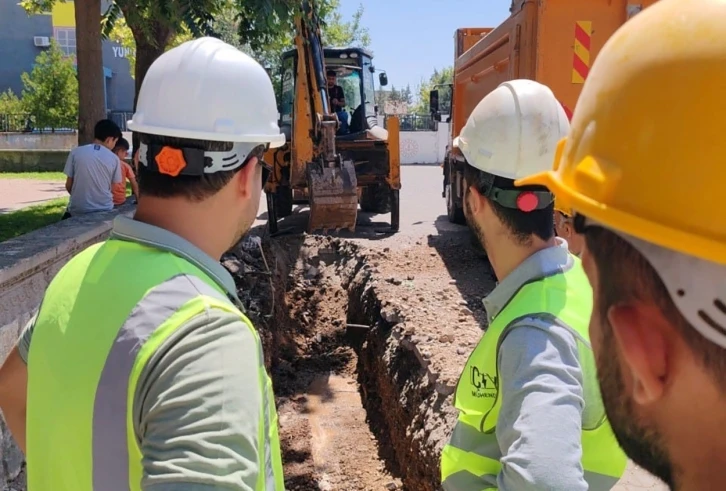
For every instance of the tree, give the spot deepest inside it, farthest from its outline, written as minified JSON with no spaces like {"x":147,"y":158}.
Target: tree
{"x":407,"y":95}
{"x":89,"y":61}
{"x":439,"y":77}
{"x":50,"y":90}
{"x":10,"y":104}
{"x":337,"y":32}
{"x":395,"y":95}
{"x":12,"y":112}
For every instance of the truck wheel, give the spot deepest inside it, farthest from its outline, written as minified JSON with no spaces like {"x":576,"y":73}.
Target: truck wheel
{"x":454,"y":212}
{"x":395,"y":210}
{"x":283,"y":201}
{"x":376,"y":198}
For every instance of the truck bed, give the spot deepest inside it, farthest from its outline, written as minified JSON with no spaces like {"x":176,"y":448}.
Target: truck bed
{"x":551,"y":41}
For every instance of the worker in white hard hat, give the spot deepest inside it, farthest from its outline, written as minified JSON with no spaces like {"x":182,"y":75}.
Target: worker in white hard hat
{"x":530,"y":413}
{"x":141,"y":369}
{"x":643,"y":170}
{"x":565,"y":228}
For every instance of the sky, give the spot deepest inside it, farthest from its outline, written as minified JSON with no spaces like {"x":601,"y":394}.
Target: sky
{"x":409,"y":38}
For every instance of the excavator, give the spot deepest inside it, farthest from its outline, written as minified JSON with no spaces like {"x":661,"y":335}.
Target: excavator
{"x":330,"y":164}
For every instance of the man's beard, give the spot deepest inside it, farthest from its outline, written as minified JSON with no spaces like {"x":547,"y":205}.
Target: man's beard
{"x":475,"y":227}
{"x":639,"y":441}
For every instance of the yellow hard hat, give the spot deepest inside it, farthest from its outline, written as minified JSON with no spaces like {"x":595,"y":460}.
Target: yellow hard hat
{"x":562,"y":209}
{"x":646,"y":153}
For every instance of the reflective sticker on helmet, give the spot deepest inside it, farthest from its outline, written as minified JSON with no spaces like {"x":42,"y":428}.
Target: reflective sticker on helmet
{"x":170,"y":161}
{"x":527,"y":201}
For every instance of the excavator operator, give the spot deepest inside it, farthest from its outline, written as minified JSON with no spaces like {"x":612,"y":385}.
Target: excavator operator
{"x":337,"y":101}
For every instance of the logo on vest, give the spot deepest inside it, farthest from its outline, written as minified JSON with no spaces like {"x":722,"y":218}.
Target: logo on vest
{"x":483,"y":384}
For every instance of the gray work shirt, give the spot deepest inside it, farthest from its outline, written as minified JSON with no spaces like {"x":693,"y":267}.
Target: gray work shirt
{"x":197,"y":404}
{"x":93,"y":168}
{"x":544,"y":400}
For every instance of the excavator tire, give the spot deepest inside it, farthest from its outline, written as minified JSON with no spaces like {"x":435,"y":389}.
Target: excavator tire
{"x":376,"y":198}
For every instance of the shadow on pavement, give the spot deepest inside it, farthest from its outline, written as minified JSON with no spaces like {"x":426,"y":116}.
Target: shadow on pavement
{"x":466,"y":263}
{"x":368,"y":225}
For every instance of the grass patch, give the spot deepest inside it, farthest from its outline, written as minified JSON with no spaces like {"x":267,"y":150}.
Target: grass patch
{"x":38,"y":176}
{"x":19,"y":222}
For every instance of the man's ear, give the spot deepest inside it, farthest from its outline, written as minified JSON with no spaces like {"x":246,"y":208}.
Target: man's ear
{"x":477,"y":201}
{"x":641,"y":334}
{"x":247,"y":178}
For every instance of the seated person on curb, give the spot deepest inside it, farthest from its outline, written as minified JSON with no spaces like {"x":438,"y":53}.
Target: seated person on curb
{"x":119,"y":188}
{"x":337,"y":102}
{"x":91,"y":170}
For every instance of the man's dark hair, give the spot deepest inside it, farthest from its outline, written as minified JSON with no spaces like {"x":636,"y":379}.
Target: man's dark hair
{"x":121,"y":144}
{"x":331,"y":73}
{"x":521,"y":224}
{"x":193,"y":188}
{"x":624,"y":275}
{"x":105,"y":129}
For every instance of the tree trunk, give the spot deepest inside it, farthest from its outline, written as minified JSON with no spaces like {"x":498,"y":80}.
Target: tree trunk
{"x":147,"y":51}
{"x":91,"y":88}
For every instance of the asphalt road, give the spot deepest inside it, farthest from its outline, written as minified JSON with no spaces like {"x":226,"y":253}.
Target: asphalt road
{"x":423,"y":211}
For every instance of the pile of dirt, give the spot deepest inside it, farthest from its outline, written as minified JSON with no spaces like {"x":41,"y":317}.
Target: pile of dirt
{"x":365,"y":345}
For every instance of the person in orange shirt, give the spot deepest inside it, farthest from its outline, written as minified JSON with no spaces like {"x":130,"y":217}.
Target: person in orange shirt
{"x":119,"y":189}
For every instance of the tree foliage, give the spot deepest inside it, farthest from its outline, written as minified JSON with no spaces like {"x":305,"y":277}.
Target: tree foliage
{"x":437,"y":80}
{"x":50,"y":90}
{"x":89,"y":60}
{"x":10,"y":104}
{"x":262,"y":28}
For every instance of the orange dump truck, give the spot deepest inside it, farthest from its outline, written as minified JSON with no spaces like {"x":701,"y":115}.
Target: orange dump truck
{"x":551,"y":41}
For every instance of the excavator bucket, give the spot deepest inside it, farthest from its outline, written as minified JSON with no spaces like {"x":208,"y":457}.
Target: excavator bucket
{"x":333,"y":196}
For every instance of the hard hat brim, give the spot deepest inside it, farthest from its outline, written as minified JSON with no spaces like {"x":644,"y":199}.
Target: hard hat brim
{"x":689,"y":243}
{"x":274,"y":141}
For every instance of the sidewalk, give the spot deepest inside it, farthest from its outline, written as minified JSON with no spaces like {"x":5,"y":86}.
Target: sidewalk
{"x":21,"y":193}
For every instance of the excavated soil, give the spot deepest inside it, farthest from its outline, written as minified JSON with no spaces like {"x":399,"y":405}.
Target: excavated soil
{"x":364,"y":345}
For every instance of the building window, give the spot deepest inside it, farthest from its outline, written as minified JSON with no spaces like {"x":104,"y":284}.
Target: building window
{"x":66,"y":39}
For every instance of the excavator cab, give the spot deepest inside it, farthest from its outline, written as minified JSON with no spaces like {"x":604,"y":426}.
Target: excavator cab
{"x":361,"y":159}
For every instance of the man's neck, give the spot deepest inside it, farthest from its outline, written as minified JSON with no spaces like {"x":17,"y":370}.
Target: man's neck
{"x":189,"y":223}
{"x":706,"y":474}
{"x":506,"y":255}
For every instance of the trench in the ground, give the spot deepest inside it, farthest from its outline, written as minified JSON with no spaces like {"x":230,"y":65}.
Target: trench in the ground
{"x":314,"y":327}
{"x":348,"y":398}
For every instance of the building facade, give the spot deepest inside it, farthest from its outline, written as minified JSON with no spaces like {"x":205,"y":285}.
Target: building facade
{"x":23,"y":37}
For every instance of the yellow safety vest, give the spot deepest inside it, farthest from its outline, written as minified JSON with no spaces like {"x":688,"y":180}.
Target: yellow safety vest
{"x":103,"y":317}
{"x":471,"y":459}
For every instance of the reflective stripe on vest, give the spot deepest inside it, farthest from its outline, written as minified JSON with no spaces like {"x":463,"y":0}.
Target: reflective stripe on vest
{"x":471,"y":459}
{"x":98,"y":405}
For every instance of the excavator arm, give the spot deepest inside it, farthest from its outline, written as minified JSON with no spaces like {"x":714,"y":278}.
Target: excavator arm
{"x":331,"y":181}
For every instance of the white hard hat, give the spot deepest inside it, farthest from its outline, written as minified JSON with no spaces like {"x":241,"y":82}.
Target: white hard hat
{"x":206,"y":89}
{"x":513,"y":132}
